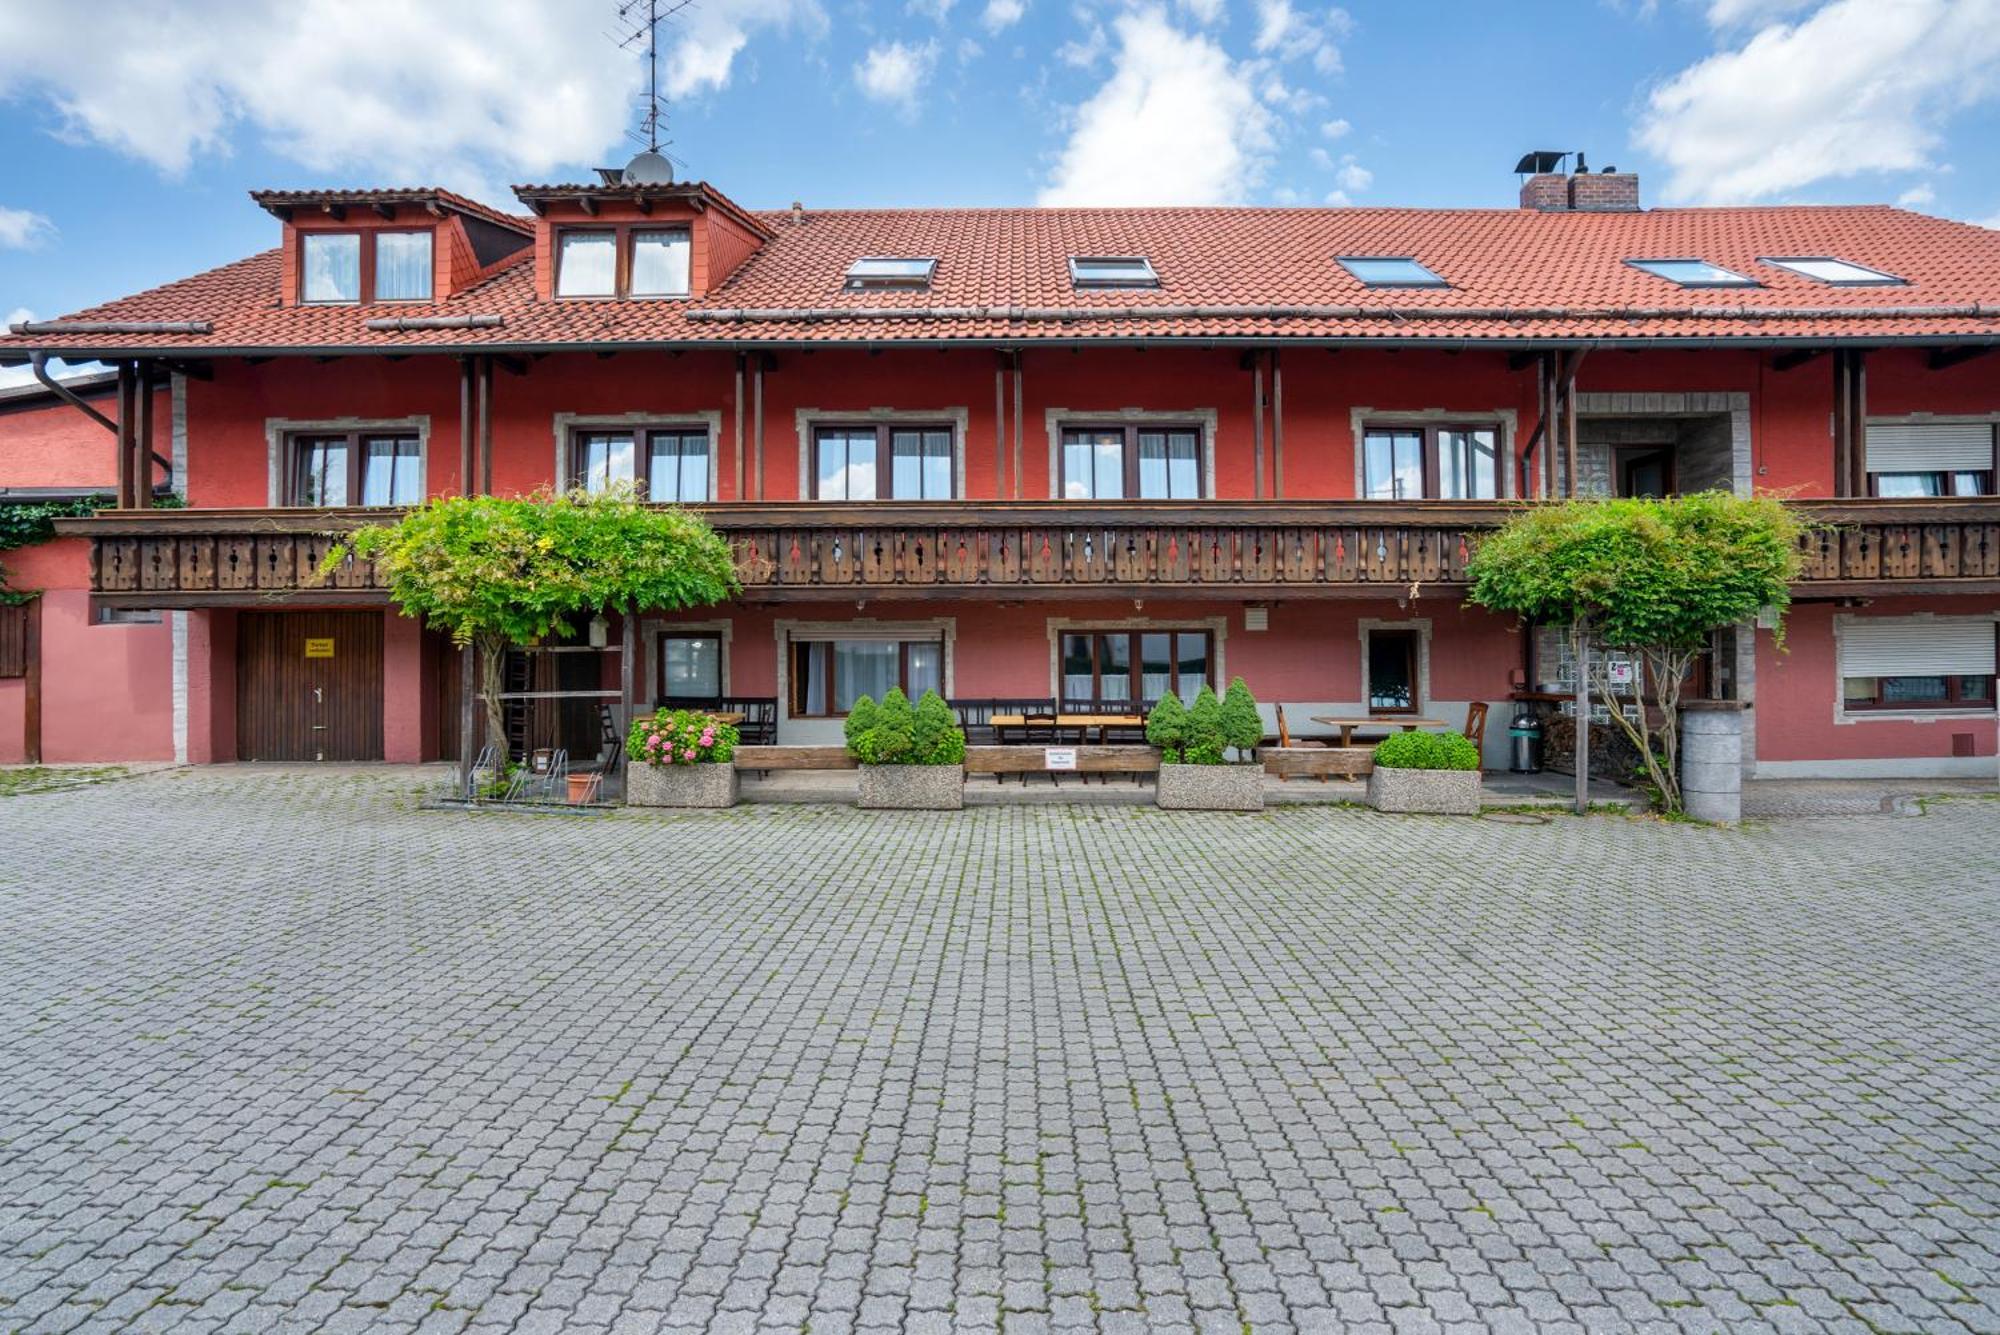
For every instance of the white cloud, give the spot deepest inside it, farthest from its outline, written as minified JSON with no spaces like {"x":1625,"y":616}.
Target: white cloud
{"x":453,"y":91}
{"x":1335,"y":129}
{"x":935,"y":10}
{"x":1285,"y":31}
{"x":1204,"y":12}
{"x":703,"y":41}
{"x":21,"y":229}
{"x":1916,"y":197}
{"x":1096,"y":44}
{"x":1176,"y":122}
{"x":1743,"y":13}
{"x":1002,"y":14}
{"x":1352,"y":176}
{"x":895,"y":72}
{"x":1857,"y":86}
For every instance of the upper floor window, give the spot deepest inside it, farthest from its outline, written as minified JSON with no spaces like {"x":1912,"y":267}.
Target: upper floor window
{"x":879,"y":271}
{"x":402,"y":266}
{"x":331,"y":268}
{"x":356,"y":468}
{"x":347,"y":268}
{"x":667,"y":464}
{"x":1694,"y":273}
{"x":1390,"y":271}
{"x":1112,"y":271}
{"x":1931,"y":458}
{"x":1147,"y":463}
{"x":871,"y":462}
{"x":1430,"y":462}
{"x":623,"y":262}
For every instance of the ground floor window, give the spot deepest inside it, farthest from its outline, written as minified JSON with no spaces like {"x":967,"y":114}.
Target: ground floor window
{"x":1915,"y":663}
{"x":1392,"y":671}
{"x":1906,"y":692}
{"x":828,"y":676}
{"x":1120,"y":669}
{"x":690,"y":668}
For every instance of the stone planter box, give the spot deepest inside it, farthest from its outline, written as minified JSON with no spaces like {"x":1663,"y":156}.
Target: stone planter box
{"x":1434,"y":792}
{"x":680,"y":785}
{"x":1210,"y":788}
{"x":912,"y":787}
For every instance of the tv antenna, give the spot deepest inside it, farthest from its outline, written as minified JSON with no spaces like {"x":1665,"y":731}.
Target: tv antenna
{"x":639,"y":22}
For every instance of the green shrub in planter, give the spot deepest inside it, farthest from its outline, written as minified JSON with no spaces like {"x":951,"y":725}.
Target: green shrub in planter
{"x":896,"y":733}
{"x":1167,"y":727}
{"x":1242,"y":726}
{"x":1203,"y":734}
{"x":1427,"y":750}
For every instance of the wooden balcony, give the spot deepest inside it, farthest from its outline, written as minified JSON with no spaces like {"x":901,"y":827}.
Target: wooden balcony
{"x":1229,"y":550}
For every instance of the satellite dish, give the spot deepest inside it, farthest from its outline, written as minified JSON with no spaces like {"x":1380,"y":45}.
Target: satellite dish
{"x":649,"y":168}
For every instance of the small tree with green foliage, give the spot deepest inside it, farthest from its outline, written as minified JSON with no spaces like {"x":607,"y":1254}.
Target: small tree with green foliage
{"x":1651,"y":578}
{"x":1242,"y":726}
{"x":895,"y":732}
{"x":1167,"y":727}
{"x":494,"y":571}
{"x":1204,"y":731}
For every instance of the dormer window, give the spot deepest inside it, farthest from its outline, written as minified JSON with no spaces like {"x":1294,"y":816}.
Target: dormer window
{"x":624,"y":261}
{"x":1694,"y":273}
{"x":1833,"y":272}
{"x":348,"y":268}
{"x":402,"y":266}
{"x":892,"y":272}
{"x":331,"y":271}
{"x":1087,"y":271}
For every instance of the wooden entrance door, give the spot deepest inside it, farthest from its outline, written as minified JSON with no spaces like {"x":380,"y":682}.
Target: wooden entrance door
{"x":309,"y":686}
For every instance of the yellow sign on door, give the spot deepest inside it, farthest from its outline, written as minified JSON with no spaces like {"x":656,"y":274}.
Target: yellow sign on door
{"x":319,"y":648}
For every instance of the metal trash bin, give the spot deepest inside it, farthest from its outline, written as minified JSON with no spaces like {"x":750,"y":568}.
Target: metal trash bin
{"x":1524,"y":736}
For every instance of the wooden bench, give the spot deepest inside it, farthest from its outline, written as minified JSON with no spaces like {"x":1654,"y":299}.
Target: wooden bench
{"x":793,"y":757}
{"x":1089,"y":760}
{"x":1318,"y":762}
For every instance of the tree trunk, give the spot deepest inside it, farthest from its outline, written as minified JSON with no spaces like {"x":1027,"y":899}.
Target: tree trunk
{"x":492,"y":670}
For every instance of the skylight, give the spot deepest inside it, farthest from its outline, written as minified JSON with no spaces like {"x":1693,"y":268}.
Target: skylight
{"x":875,"y":271}
{"x":1836,"y":273}
{"x":1390,"y":271}
{"x":1694,"y":273}
{"x":1112,"y":271}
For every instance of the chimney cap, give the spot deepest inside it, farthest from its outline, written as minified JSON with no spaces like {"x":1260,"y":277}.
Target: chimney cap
{"x":1542,"y":160}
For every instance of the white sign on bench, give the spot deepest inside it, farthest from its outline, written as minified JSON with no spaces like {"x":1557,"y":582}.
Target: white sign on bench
{"x":1059,"y":757}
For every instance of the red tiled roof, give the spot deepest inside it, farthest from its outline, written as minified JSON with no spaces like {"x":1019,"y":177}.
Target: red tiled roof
{"x":1224,"y":273}
{"x":276,"y":200}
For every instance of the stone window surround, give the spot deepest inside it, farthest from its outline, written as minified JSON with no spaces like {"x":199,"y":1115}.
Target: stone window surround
{"x":277,"y":430}
{"x":1422,"y":626}
{"x":1056,"y":419}
{"x":805,"y":420}
{"x":653,"y":631}
{"x":944,"y":629}
{"x":566,"y":425}
{"x":1843,"y":717}
{"x":1507,"y":419}
{"x":1216,"y":626}
{"x":1733,"y":404}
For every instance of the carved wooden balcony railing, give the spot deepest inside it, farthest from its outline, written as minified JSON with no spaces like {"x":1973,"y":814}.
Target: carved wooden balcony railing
{"x":1224,"y":549}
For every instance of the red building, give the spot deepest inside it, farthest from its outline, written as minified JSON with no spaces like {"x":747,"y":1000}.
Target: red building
{"x":1094,"y":454}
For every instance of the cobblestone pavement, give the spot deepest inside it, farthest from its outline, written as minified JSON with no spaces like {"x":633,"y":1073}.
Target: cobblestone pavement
{"x":278,"y":1050}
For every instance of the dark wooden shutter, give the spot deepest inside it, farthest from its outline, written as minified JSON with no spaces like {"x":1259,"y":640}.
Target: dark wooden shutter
{"x":13,"y":640}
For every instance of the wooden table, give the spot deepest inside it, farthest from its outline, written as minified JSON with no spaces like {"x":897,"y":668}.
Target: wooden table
{"x":1083,"y":722}
{"x":1347,"y":725}
{"x":726,"y":716}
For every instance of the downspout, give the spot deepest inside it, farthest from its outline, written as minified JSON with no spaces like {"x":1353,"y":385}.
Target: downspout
{"x":39,"y":362}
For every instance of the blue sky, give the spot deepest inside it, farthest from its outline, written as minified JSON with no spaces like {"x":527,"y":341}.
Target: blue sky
{"x":128,"y":153}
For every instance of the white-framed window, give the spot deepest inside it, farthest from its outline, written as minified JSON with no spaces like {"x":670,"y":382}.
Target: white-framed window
{"x":330,"y":268}
{"x":403,"y":266}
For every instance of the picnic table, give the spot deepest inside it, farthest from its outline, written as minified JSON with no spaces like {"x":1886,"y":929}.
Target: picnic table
{"x":1003,"y":723}
{"x":1348,"y":723}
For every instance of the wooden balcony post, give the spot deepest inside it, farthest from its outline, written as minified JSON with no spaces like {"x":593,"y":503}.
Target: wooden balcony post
{"x":485,"y":426}
{"x":142,"y":443}
{"x":127,"y":485}
{"x":465,"y":436}
{"x":1277,"y":427}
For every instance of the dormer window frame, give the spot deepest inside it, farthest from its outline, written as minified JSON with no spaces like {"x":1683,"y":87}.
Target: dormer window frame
{"x":1421,"y":277}
{"x":1650,"y":266}
{"x":623,"y":238}
{"x":366,"y":268}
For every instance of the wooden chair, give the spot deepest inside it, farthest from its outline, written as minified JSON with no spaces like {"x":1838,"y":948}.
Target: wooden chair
{"x":760,"y":717}
{"x":1285,"y":734}
{"x":1475,"y":725}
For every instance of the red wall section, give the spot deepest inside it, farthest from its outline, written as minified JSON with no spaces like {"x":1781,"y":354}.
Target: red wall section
{"x":56,"y":445}
{"x":1798,"y":693}
{"x":1900,"y":381}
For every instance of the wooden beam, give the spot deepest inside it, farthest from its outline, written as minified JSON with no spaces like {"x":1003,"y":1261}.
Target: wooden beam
{"x":511,"y":365}
{"x":1277,"y":427}
{"x":757,"y":425}
{"x":127,"y":484}
{"x":485,"y":427}
{"x":1257,"y":422}
{"x":386,"y":212}
{"x":628,"y":640}
{"x":644,"y":204}
{"x":465,"y":457}
{"x":1941,"y":358}
{"x":737,"y":401}
{"x":1797,"y":357}
{"x":192,"y":370}
{"x":337,"y":212}
{"x":588,"y":204}
{"x":1016,"y":418}
{"x":31,"y":683}
{"x":142,"y":442}
{"x":1517,"y":361}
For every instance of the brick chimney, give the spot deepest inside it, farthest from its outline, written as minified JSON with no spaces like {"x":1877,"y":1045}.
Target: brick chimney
{"x":1546,"y":188}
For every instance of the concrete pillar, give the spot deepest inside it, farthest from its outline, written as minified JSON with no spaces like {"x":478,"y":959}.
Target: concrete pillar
{"x":1712,"y":760}
{"x":402,"y":689}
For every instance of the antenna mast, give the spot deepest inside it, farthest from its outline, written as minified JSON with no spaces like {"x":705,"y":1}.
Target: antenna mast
{"x":640,"y":20}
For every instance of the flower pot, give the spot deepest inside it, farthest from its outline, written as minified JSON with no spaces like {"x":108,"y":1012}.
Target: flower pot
{"x":703,"y":785}
{"x":582,"y":787}
{"x":1436,"y":792}
{"x":913,"y":787}
{"x":1210,"y":788}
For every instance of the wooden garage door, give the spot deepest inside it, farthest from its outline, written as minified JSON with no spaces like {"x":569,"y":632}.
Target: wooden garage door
{"x":309,"y":686}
